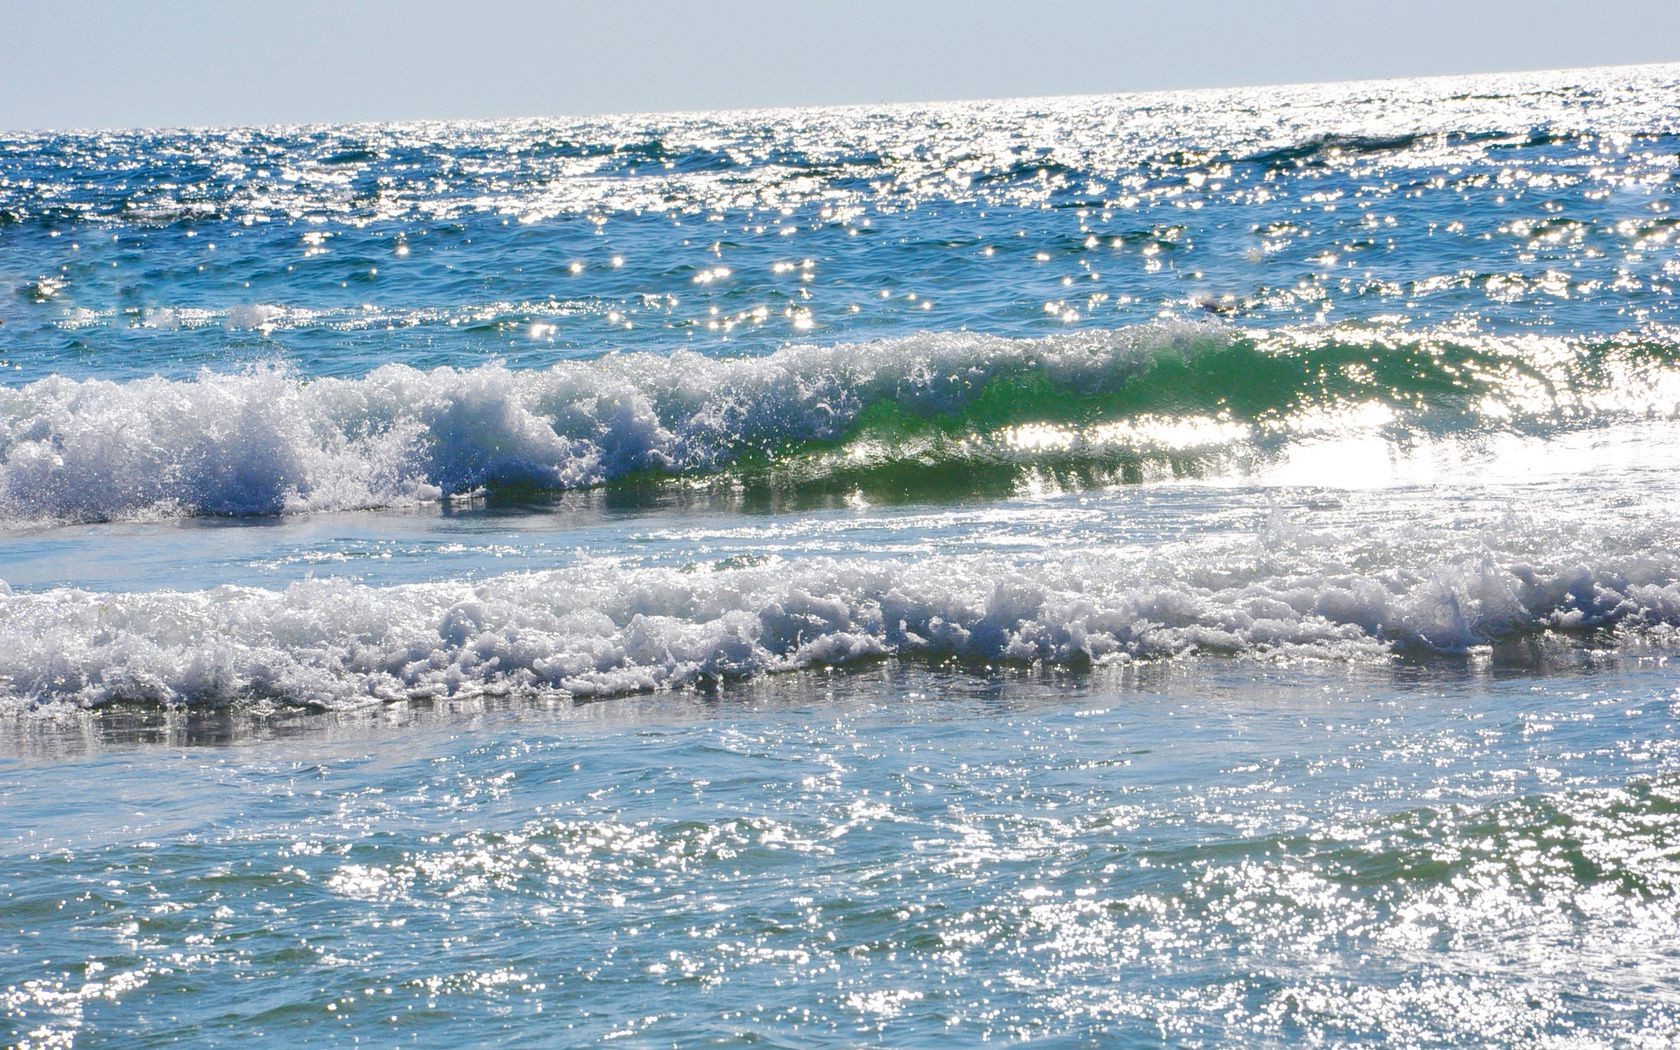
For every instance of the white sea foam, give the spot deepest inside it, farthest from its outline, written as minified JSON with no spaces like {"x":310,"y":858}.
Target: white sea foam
{"x":272,"y":442}
{"x":603,"y":630}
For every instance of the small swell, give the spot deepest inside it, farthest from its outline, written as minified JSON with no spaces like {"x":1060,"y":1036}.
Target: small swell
{"x":1322,"y":149}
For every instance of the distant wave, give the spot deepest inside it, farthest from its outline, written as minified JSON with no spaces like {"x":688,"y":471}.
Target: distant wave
{"x":1321,"y":149}
{"x":606,"y":630}
{"x":269,"y":442}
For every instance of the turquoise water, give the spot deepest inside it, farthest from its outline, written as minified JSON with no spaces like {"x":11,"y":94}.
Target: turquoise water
{"x":1192,"y":568}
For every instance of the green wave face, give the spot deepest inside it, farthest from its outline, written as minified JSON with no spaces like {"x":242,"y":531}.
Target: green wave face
{"x":1222,"y":401}
{"x":1263,"y":379}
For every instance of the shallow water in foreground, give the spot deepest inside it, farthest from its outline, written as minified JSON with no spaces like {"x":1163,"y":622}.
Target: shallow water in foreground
{"x":1432,"y":851}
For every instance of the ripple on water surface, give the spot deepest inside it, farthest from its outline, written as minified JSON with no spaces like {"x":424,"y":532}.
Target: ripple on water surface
{"x":912,"y":856}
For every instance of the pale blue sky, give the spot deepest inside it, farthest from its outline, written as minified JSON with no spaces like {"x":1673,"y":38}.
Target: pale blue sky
{"x":120,"y":63}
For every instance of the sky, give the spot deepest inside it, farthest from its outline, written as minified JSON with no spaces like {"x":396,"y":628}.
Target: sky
{"x":128,"y":63}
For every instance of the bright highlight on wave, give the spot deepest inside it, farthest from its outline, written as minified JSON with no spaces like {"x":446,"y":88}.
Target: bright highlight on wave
{"x":1172,"y":395}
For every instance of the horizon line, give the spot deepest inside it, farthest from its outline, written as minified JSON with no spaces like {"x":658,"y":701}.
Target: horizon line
{"x":814,"y":106}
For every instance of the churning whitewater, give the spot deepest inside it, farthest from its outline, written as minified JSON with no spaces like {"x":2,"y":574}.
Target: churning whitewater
{"x":604,"y":630}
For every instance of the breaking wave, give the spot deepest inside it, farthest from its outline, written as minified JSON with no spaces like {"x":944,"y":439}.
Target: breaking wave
{"x":269,"y":441}
{"x":605,"y":629}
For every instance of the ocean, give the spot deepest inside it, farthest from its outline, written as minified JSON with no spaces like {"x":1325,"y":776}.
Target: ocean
{"x":1192,"y":568}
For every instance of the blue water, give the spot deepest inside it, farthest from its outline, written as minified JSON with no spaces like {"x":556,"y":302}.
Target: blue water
{"x":1191,"y":568}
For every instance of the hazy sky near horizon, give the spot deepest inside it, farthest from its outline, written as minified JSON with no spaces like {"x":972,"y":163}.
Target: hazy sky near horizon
{"x":116,"y":63}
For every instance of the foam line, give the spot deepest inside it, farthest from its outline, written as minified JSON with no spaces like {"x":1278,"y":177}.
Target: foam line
{"x":600,"y":630}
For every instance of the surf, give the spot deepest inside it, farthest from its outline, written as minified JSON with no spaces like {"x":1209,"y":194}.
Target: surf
{"x":1129,"y":404}
{"x":609,"y":627}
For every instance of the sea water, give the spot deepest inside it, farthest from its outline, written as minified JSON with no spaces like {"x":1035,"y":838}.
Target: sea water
{"x":1186,"y":568}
